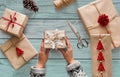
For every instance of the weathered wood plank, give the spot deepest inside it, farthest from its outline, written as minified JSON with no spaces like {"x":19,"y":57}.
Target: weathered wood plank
{"x":38,"y":23}
{"x":78,"y":53}
{"x":47,"y":9}
{"x":55,"y":68}
{"x":35,"y":28}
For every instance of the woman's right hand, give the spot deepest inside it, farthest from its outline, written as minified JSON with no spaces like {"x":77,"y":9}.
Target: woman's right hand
{"x":68,"y":54}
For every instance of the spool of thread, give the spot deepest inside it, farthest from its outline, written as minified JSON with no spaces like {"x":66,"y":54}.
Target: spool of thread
{"x":62,"y":3}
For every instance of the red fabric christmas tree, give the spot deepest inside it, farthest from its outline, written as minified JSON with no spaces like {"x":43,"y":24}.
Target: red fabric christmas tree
{"x":19,"y":51}
{"x":101,"y":67}
{"x":100,"y":57}
{"x":100,"y":46}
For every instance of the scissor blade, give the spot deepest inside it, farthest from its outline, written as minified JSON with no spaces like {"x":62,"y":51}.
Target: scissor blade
{"x":72,"y":27}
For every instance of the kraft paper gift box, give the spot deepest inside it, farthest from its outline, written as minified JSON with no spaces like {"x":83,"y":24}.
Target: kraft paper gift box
{"x":101,"y":55}
{"x":18,"y":51}
{"x":54,"y":39}
{"x":90,"y":13}
{"x":13,"y":22}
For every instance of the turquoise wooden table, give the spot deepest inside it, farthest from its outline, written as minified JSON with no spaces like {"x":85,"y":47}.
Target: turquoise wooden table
{"x":49,"y":18}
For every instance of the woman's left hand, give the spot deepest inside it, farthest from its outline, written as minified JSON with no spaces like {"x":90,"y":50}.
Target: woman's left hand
{"x":43,"y":56}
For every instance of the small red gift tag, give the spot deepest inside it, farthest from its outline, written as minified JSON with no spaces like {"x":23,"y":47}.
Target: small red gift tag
{"x":12,"y":25}
{"x":19,"y":52}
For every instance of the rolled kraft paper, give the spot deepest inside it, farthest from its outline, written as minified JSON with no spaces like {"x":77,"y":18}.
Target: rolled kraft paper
{"x":90,"y":14}
{"x":13,"y":22}
{"x":106,"y":57}
{"x":22,"y":44}
{"x":62,"y":3}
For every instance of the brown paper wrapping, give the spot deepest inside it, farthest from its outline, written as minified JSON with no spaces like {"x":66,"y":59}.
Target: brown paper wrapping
{"x":9,"y":50}
{"x":46,"y":36}
{"x":90,"y":14}
{"x":16,"y":30}
{"x":106,"y":41}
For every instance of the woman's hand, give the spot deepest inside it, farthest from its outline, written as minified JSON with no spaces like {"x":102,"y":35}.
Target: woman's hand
{"x":68,"y":55}
{"x":43,"y":56}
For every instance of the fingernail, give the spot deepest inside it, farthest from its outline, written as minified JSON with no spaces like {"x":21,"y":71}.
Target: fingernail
{"x":67,"y":37}
{"x":42,"y":39}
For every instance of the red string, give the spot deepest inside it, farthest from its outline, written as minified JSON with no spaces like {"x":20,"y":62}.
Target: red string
{"x":11,"y":21}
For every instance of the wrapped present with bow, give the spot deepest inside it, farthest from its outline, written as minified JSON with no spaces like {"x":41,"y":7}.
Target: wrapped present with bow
{"x":13,"y":22}
{"x":18,"y":51}
{"x":101,"y":17}
{"x":101,"y":55}
{"x":54,"y":39}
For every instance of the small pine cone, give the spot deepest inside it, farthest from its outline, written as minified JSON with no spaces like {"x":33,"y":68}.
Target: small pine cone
{"x":31,"y":5}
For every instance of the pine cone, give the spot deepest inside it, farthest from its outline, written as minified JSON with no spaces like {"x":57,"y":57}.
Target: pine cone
{"x":31,"y":5}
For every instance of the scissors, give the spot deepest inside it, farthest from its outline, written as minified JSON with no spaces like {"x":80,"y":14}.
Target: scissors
{"x":81,"y":41}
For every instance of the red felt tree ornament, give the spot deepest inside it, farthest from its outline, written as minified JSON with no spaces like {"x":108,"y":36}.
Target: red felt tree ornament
{"x":100,"y":46}
{"x":100,"y":57}
{"x":101,"y":67}
{"x":19,"y":52}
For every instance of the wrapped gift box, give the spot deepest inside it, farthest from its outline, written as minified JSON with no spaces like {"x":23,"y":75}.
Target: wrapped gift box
{"x":101,"y":55}
{"x":13,"y":22}
{"x":54,"y":39}
{"x":90,"y":14}
{"x":18,"y":51}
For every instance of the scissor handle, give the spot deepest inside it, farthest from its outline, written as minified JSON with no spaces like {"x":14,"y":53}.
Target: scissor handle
{"x":79,"y":45}
{"x":82,"y":43}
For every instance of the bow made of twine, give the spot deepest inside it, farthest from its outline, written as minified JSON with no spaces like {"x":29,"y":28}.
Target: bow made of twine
{"x":11,"y":20}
